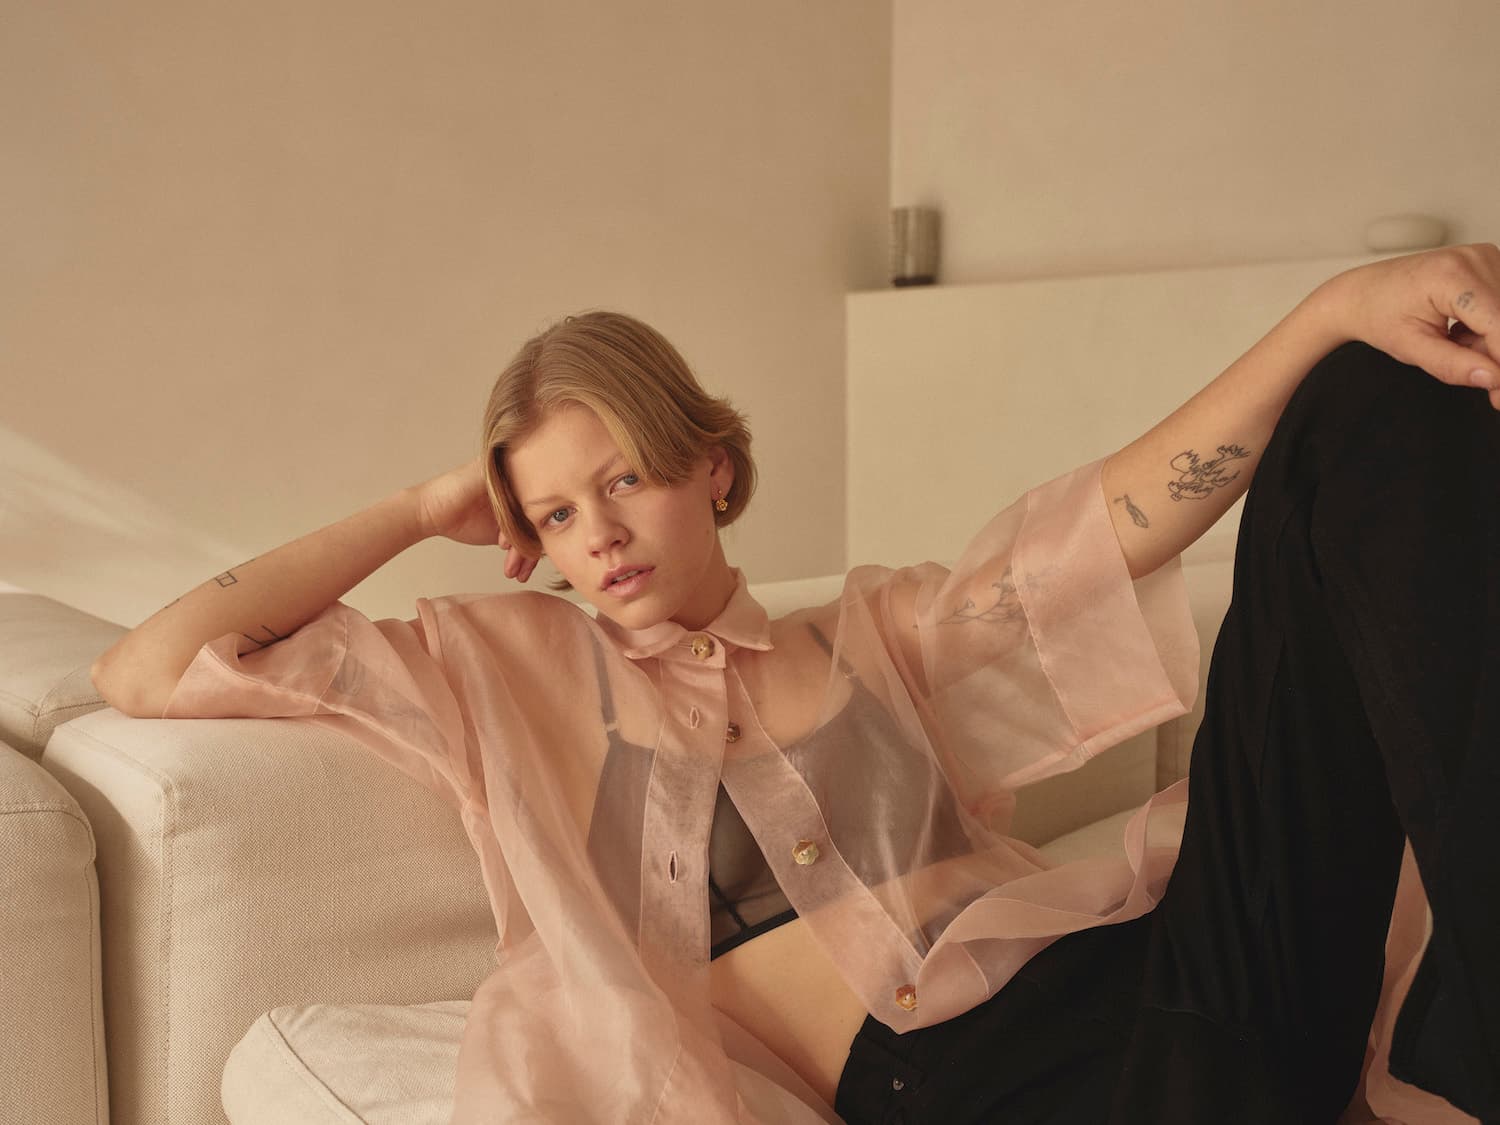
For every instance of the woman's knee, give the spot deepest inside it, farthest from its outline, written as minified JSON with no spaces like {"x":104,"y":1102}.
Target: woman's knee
{"x":1354,"y":374}
{"x":1360,"y":397}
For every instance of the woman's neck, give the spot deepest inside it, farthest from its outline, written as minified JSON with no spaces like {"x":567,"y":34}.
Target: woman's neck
{"x":711,"y":596}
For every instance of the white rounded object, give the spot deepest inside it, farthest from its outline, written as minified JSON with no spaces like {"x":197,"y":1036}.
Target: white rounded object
{"x":1404,"y":232}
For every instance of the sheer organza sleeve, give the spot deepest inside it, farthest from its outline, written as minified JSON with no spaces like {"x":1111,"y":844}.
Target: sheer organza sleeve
{"x":379,"y":681}
{"x":1037,"y":650}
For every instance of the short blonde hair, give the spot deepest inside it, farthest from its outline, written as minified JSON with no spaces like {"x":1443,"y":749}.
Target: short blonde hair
{"x":636,"y":382}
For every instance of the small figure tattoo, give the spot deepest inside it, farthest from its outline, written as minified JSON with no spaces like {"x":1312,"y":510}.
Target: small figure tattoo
{"x":1006,"y":608}
{"x":1137,"y":516}
{"x":1202,"y":478}
{"x":1465,"y":299}
{"x":261,"y":642}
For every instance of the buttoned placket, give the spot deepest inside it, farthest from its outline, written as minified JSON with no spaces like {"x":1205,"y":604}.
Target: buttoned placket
{"x":680,"y":800}
{"x":779,"y":809}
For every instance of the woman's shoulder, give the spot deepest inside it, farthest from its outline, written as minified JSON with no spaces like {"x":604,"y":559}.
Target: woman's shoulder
{"x":868,"y":586}
{"x":511,"y":613}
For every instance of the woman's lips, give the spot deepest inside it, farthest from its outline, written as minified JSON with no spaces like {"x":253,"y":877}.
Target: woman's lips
{"x":628,"y":587}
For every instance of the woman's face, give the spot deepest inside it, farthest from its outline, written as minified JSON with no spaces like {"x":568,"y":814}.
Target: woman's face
{"x":598,"y":520}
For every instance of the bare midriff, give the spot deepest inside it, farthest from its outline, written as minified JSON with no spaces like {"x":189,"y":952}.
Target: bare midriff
{"x":782,"y":988}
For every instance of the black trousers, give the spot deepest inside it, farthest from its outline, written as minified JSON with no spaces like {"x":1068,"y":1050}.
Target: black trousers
{"x":1353,"y":701}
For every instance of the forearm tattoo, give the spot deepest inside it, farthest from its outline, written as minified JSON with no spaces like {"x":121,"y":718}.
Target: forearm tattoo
{"x":229,"y":578}
{"x":1200,"y":479}
{"x":267,"y":636}
{"x":1137,"y":516}
{"x":270,"y":637}
{"x":1006,"y":609}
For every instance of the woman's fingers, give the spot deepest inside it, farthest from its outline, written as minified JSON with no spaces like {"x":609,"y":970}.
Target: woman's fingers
{"x":1468,"y":290}
{"x":512,"y":558}
{"x":517,"y":565}
{"x":1409,"y":303}
{"x":1452,"y":360}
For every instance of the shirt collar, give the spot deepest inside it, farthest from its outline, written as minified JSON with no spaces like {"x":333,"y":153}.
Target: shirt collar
{"x":742,"y":623}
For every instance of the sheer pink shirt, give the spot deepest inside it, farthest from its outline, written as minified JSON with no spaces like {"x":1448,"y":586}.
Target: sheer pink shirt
{"x":1034,"y":653}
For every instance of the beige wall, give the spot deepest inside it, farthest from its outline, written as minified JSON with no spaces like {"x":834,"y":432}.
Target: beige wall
{"x":1081,"y":137}
{"x":1022,"y":381}
{"x":263,"y":261}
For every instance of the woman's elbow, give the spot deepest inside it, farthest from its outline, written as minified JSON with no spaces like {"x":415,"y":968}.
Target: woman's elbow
{"x":135,"y":695}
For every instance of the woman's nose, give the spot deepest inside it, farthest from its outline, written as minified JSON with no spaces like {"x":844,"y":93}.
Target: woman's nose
{"x":606,"y":533}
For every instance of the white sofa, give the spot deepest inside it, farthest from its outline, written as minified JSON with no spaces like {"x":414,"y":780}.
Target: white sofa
{"x":170,"y":882}
{"x":52,"y":1040}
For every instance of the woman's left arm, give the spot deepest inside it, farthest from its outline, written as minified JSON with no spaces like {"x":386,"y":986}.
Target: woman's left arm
{"x":1172,"y":483}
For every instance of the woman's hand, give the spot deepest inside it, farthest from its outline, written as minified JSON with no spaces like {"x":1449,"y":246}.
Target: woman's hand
{"x":1403,"y":305}
{"x":457,"y":506}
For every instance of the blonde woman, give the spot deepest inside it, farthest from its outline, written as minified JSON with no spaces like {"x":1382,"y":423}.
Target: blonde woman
{"x":756,"y":870}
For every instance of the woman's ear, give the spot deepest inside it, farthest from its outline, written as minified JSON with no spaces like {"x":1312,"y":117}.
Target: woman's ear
{"x":720,"y":470}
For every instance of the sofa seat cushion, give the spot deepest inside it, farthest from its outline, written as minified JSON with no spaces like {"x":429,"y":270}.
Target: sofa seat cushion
{"x":46,"y":650}
{"x":382,"y":1064}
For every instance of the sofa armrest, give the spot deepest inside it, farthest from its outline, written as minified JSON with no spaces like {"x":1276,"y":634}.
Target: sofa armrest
{"x":46,"y":648}
{"x":245,"y":864}
{"x":51,"y":1022}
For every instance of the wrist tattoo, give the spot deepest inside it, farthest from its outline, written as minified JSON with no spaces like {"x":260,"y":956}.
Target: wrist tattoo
{"x":1198,"y":478}
{"x":1137,"y":516}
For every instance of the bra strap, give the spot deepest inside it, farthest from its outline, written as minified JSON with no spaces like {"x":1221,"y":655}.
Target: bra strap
{"x":606,"y":697}
{"x":828,"y":648}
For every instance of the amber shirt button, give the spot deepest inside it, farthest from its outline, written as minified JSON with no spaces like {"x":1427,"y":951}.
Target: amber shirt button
{"x":805,"y":852}
{"x":733,"y":733}
{"x":702,"y":646}
{"x":906,"y":996}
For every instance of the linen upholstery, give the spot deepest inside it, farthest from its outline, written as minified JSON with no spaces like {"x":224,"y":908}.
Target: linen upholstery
{"x":249,"y":864}
{"x":382,"y":1064}
{"x":45,"y":652}
{"x":52,"y":1055}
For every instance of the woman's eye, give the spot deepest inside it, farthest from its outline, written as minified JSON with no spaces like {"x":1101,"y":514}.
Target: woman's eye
{"x":553,"y":517}
{"x":629,"y":480}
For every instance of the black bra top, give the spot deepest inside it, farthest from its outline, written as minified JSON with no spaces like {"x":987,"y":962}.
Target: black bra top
{"x":744,"y":899}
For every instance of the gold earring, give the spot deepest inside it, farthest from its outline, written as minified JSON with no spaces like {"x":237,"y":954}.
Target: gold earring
{"x":720,"y":504}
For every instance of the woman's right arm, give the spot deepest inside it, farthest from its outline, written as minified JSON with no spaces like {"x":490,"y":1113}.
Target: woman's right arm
{"x":268,"y":598}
